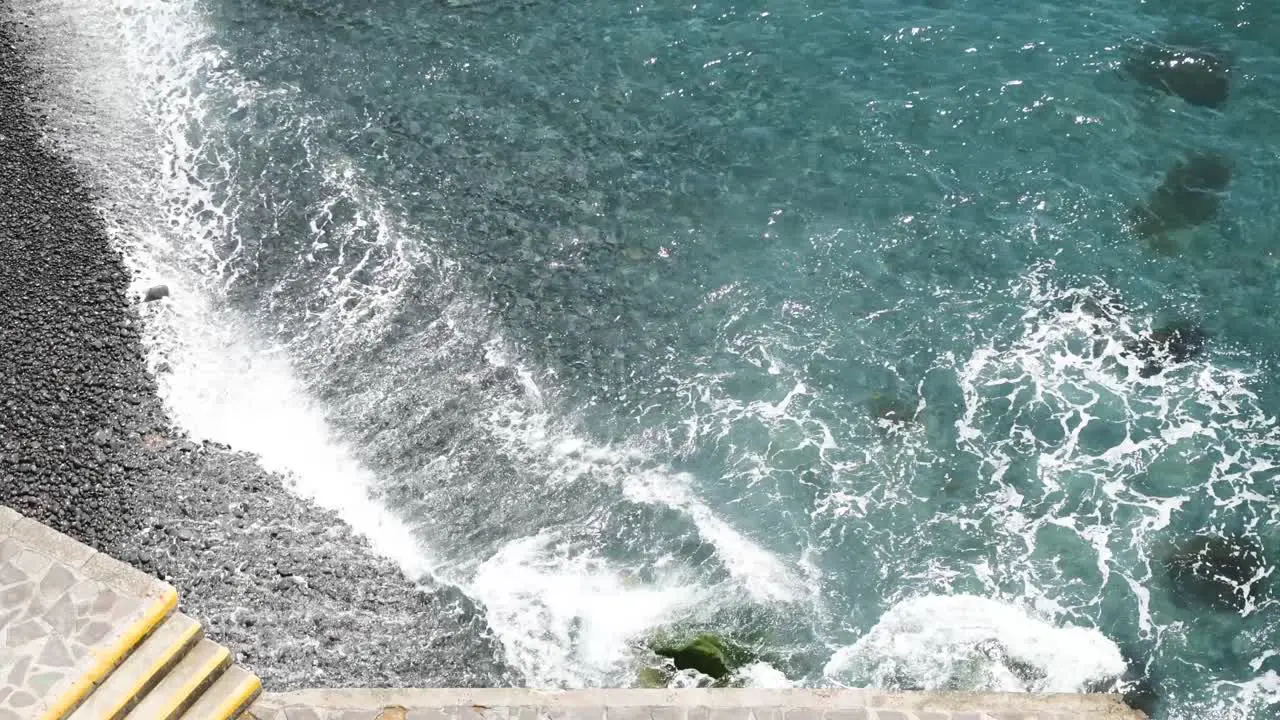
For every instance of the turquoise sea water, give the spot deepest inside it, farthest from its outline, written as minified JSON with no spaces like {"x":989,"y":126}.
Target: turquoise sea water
{"x":607,"y":304}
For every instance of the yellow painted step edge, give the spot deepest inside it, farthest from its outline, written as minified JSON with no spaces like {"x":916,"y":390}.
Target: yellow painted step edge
{"x":183,"y":694}
{"x":149,"y":675}
{"x":106,"y":659}
{"x":230,"y":704}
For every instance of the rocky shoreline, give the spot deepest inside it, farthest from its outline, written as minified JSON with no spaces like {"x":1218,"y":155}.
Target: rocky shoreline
{"x":86,"y":447}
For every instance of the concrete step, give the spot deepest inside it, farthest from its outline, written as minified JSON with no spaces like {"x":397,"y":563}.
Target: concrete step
{"x":197,"y":670}
{"x":142,"y":670}
{"x":231,"y":695}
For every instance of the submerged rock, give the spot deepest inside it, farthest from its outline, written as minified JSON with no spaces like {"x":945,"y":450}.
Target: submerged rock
{"x":1137,"y":687}
{"x":1189,"y":196}
{"x":1103,"y":309}
{"x":891,"y":409}
{"x":1141,"y":694}
{"x":653,"y":677}
{"x":1220,"y":572}
{"x":157,"y":292}
{"x":1176,"y":342}
{"x":1026,"y":672}
{"x":707,"y":653}
{"x":1180,"y":341}
{"x":1199,"y":77}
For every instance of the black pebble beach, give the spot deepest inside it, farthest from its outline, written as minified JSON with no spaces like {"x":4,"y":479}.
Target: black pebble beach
{"x":86,"y":448}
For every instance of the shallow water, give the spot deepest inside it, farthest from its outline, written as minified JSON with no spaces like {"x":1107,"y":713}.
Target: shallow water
{"x":594,"y":310}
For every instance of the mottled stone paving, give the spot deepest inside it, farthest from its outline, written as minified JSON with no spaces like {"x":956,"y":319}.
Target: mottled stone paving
{"x":67,"y":616}
{"x":514,"y":704}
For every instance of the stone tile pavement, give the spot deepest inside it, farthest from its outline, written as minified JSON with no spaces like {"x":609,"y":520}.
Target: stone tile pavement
{"x":68,"y":615}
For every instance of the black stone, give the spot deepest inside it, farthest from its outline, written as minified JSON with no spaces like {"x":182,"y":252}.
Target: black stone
{"x":1102,"y":308}
{"x":1137,"y":687}
{"x":1176,"y":342}
{"x":1212,"y":571}
{"x":1181,"y":341}
{"x":1199,"y":77}
{"x":1141,"y":694}
{"x":156,"y":292}
{"x":1026,"y":672}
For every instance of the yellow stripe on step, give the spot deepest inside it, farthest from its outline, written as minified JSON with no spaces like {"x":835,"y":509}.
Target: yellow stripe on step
{"x":232,"y":693}
{"x":183,"y":684}
{"x":108,"y":658}
{"x":144,"y":667}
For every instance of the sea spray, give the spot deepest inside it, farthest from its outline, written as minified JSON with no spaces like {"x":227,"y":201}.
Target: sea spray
{"x":568,"y":618}
{"x":965,"y":642}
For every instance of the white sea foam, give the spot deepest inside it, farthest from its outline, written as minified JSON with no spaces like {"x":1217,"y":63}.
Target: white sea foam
{"x":1069,"y":368}
{"x":964,"y":642}
{"x":1070,"y":373}
{"x":764,"y":675}
{"x":563,"y":455}
{"x":567,"y":618}
{"x":1254,"y":699}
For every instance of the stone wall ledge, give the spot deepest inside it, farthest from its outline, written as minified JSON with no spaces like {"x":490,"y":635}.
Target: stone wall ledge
{"x":684,"y":704}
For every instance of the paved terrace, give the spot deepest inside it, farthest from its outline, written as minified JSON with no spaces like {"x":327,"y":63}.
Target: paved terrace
{"x":86,"y":637}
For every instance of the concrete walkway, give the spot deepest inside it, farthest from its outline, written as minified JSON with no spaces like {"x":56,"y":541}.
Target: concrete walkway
{"x":517,"y":704}
{"x":86,"y":637}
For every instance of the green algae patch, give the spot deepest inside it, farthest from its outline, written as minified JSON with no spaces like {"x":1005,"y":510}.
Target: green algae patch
{"x":707,"y":653}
